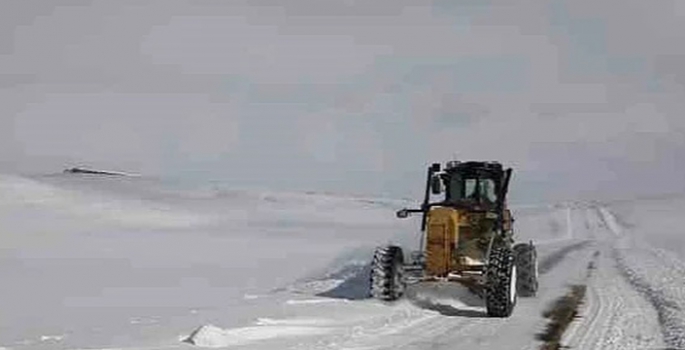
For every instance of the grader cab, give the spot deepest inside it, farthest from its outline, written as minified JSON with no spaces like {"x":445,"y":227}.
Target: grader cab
{"x":468,"y":238}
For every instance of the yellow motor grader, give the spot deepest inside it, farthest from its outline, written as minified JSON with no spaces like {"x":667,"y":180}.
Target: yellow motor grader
{"x":468,"y":238}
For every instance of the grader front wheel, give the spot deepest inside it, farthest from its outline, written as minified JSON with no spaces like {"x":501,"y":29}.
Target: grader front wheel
{"x":387,"y":273}
{"x":500,"y":291}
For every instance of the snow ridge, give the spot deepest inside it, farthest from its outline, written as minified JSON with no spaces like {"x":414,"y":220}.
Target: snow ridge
{"x":656,"y":275}
{"x":655,"y":278}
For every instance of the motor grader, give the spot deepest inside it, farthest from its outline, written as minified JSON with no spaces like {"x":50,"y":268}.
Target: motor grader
{"x":467,"y":238}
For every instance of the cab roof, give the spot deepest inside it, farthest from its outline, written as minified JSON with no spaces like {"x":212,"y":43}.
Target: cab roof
{"x":457,"y":166}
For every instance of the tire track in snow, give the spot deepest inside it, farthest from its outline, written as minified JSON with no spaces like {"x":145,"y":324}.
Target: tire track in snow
{"x":669,"y":308}
{"x":614,"y":316}
{"x":655,"y":278}
{"x":553,"y":259}
{"x":591,"y":312}
{"x":569,"y":224}
{"x":609,"y":221}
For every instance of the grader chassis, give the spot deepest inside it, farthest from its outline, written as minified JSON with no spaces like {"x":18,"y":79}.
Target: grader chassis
{"x":468,"y":238}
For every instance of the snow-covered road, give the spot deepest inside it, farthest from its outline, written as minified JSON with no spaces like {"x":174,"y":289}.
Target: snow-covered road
{"x":87,"y":263}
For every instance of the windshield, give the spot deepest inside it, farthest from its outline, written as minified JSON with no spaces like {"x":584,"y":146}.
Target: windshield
{"x":471,"y":187}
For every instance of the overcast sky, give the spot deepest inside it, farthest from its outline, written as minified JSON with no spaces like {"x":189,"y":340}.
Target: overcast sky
{"x":583,"y":98}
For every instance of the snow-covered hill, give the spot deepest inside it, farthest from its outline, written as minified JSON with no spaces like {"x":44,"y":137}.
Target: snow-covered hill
{"x":133,"y":263}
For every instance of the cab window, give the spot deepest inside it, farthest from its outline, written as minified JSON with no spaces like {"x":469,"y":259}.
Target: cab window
{"x":472,"y":188}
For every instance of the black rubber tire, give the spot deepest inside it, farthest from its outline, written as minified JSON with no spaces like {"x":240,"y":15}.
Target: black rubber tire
{"x":500,"y":290}
{"x":387,"y":274}
{"x":526,"y":258}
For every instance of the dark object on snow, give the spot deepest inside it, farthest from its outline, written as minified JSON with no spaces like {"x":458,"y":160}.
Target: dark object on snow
{"x":92,"y":172}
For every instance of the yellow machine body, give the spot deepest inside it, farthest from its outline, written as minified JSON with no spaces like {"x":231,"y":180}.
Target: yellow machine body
{"x":456,"y":241}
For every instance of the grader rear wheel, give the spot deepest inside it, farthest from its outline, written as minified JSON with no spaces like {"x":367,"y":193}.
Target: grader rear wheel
{"x":526,"y":258}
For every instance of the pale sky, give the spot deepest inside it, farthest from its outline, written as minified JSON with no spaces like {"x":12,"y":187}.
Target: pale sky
{"x":585,"y":99}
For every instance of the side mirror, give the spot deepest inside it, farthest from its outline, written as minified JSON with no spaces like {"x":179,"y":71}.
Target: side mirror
{"x":402,"y":214}
{"x":436,"y":185}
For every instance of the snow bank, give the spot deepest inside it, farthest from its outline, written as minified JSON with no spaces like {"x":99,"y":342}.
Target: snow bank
{"x":17,"y":191}
{"x":659,"y":278}
{"x":610,"y":221}
{"x":544,"y":224}
{"x":210,"y":336}
{"x":650,"y":252}
{"x":659,"y":221}
{"x":119,"y":250}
